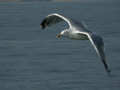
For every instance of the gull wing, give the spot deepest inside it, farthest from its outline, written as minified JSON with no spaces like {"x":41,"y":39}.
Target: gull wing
{"x":98,"y":44}
{"x":52,"y":19}
{"x":55,"y":18}
{"x":80,"y":26}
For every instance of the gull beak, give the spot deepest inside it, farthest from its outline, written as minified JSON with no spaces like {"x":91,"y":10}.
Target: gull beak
{"x":58,"y":35}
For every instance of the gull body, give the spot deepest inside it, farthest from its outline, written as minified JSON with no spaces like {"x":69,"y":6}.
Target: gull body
{"x":73,"y":35}
{"x":77,"y":31}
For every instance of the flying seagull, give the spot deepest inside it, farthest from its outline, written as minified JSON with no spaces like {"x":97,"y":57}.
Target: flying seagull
{"x":77,"y":31}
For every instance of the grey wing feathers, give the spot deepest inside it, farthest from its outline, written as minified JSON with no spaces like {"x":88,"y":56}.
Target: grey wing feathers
{"x":98,"y":44}
{"x":55,"y":18}
{"x":50,"y":20}
{"x":81,"y":26}
{"x":78,"y":24}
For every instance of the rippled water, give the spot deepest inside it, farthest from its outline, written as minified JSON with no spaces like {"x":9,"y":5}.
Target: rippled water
{"x":33,"y":59}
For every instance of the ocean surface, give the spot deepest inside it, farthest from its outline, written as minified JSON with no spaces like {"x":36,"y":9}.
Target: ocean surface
{"x":34,"y":59}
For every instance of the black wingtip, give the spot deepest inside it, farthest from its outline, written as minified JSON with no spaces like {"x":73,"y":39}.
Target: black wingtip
{"x":109,"y":72}
{"x":42,"y":25}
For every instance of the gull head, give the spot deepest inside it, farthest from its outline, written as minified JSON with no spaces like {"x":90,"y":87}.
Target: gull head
{"x":64,"y":33}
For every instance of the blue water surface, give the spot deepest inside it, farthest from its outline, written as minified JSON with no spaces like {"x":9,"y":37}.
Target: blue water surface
{"x":34,"y":59}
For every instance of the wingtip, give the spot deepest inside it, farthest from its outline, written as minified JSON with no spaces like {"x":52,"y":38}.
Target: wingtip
{"x":41,"y":26}
{"x":109,"y":72}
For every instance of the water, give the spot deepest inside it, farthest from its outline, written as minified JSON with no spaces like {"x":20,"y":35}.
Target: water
{"x":33,"y":59}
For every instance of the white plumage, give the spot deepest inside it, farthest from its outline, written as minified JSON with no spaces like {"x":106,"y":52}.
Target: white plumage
{"x":77,"y":31}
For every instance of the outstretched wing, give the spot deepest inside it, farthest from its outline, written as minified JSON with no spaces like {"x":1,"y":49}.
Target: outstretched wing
{"x":98,"y":44}
{"x":54,"y":19}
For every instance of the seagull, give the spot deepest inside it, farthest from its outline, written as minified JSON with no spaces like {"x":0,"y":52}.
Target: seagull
{"x":77,"y":31}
